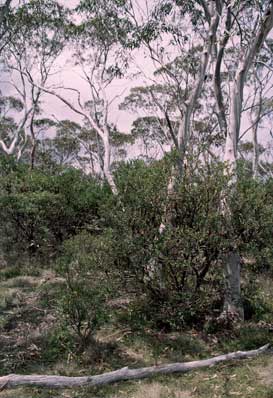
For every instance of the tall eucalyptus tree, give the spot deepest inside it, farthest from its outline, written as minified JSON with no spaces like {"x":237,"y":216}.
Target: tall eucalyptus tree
{"x":230,"y":35}
{"x":249,"y":48}
{"x":31,"y":54}
{"x":98,"y":53}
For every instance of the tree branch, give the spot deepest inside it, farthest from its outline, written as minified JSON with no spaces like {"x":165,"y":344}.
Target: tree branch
{"x":14,"y":380}
{"x":184,"y":131}
{"x":217,"y":76}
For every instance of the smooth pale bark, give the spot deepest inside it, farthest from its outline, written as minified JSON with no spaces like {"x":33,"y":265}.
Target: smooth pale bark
{"x":255,"y":124}
{"x":232,"y":303}
{"x":102,"y":133}
{"x":170,"y":192}
{"x":217,"y":81}
{"x":13,"y":380}
{"x":239,"y":82}
{"x":255,"y":159}
{"x":184,"y":132}
{"x":107,"y":163}
{"x":155,"y":270}
{"x":33,"y":136}
{"x":10,"y":150}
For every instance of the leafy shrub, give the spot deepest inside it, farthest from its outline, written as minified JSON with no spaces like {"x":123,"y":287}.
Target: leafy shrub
{"x":252,"y":209}
{"x":255,"y":302}
{"x":85,"y":266}
{"x":179,"y":271}
{"x":176,"y":275}
{"x":39,"y":210}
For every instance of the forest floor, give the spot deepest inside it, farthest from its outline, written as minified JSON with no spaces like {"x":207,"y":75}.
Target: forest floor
{"x":30,"y":343}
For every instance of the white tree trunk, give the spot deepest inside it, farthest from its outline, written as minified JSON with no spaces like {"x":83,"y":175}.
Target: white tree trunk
{"x":102,"y":133}
{"x":184,"y":132}
{"x":107,"y":163}
{"x":231,"y":260}
{"x":155,"y":270}
{"x":255,"y":159}
{"x":255,"y":125}
{"x":11,"y":149}
{"x":232,"y":302}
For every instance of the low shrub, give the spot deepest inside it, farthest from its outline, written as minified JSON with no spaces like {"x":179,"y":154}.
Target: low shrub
{"x":84,"y":265}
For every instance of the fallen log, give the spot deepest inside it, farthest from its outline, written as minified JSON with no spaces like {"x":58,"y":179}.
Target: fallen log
{"x":14,"y":380}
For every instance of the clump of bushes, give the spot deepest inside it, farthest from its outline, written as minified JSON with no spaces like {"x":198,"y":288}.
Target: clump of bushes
{"x":109,"y":245}
{"x":179,"y":272}
{"x":40,"y":209}
{"x":85,"y":266}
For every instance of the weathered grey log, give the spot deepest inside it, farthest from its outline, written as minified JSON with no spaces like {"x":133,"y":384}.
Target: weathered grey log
{"x":14,"y":380}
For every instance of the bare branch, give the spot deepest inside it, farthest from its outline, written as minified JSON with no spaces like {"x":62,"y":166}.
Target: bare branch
{"x":9,"y":150}
{"x":217,"y":76}
{"x":13,"y":380}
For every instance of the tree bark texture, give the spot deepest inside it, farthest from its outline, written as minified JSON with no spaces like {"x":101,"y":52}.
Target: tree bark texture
{"x":102,"y":133}
{"x":232,"y":303}
{"x":184,"y":131}
{"x":123,"y":374}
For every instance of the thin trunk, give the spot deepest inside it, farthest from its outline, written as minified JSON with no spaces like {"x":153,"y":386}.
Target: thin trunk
{"x":232,"y":301}
{"x":255,"y":159}
{"x":100,"y":156}
{"x":155,"y":269}
{"x":255,"y":125}
{"x":231,"y":259}
{"x":33,"y":142}
{"x":217,"y":80}
{"x":170,"y":191}
{"x":10,"y":150}
{"x":184,"y":132}
{"x":107,"y":162}
{"x":102,"y":133}
{"x":33,"y":155}
{"x":92,"y":164}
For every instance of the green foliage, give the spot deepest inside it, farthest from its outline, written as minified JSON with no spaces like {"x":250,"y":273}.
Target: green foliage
{"x":64,"y":148}
{"x":136,"y":217}
{"x":252,"y":220}
{"x":105,"y":22}
{"x":179,"y":271}
{"x":11,"y":272}
{"x":58,"y":342}
{"x":114,"y":244}
{"x":33,"y":22}
{"x":256,"y":305}
{"x":39,"y":211}
{"x":85,"y":266}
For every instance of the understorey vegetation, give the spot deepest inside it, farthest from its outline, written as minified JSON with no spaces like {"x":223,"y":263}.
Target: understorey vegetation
{"x":86,"y":273}
{"x":136,"y":186}
{"x":104,"y":247}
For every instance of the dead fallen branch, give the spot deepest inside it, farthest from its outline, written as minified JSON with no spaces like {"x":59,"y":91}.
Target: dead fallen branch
{"x":13,"y":380}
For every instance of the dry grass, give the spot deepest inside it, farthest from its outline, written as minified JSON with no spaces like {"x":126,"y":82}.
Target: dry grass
{"x":26,"y":321}
{"x":265,"y":373}
{"x":157,"y":390}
